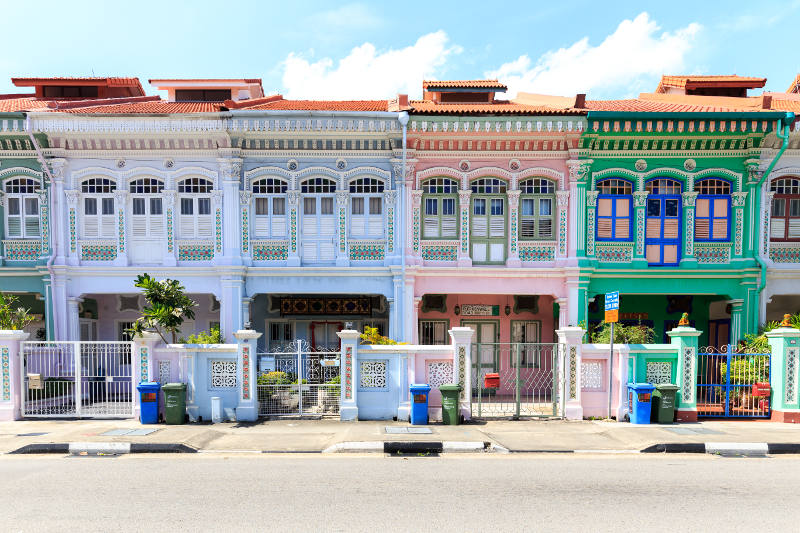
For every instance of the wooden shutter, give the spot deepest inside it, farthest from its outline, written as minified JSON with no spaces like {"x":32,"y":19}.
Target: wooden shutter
{"x":545,"y":228}
{"x":794,"y":228}
{"x":777,"y":228}
{"x":604,"y":224}
{"x":497,"y":226}
{"x":671,"y":228}
{"x":702,"y":226}
{"x":622,"y":219}
{"x":479,"y":226}
{"x":449,"y":226}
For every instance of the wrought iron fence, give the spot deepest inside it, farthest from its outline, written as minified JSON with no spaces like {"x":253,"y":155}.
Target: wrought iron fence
{"x":299,"y":382}
{"x":732,"y":384}
{"x":522,"y":380}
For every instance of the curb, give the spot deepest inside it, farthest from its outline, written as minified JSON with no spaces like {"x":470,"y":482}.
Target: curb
{"x":726,"y":448}
{"x":400,"y":447}
{"x":103,"y":448}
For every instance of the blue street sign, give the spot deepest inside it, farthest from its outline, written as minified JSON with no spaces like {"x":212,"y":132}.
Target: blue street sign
{"x":612,"y":300}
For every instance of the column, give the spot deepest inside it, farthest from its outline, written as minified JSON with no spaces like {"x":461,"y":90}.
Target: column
{"x":563,"y":312}
{"x":763,"y":240}
{"x":639,"y":224}
{"x":348,"y":361}
{"x":246,"y":323}
{"x":570,"y":341}
{"x":73,"y":318}
{"x":293,"y":197}
{"x":562,"y":199}
{"x":230,"y":306}
{"x":217,"y":204}
{"x":57,"y":213}
{"x":464,"y":256}
{"x":170,"y":247}
{"x":244,"y":207}
{"x":513,"y":230}
{"x":461,"y":341}
{"x":414,"y":229}
{"x":142,"y":360}
{"x":591,"y":212}
{"x":738,"y":199}
{"x":59,"y":302}
{"x":342,"y":252}
{"x":44,"y":224}
{"x":70,"y":254}
{"x":390,"y":199}
{"x":785,"y":346}
{"x":685,"y":339}
{"x":231,"y":173}
{"x":11,"y":377}
{"x":247,"y":409}
{"x":737,"y":320}
{"x":578,"y":206}
{"x":689,"y":200}
{"x":121,"y":202}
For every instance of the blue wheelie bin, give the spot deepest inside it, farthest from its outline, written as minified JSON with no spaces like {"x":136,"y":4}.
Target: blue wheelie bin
{"x":148,"y":401}
{"x":419,"y":403}
{"x":639,"y":397}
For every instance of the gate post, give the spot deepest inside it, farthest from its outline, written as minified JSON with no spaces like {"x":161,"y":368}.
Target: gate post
{"x":685,"y":340}
{"x":570,"y":339}
{"x":349,"y":370}
{"x":11,"y":387}
{"x":142,"y":362}
{"x":247,"y":409}
{"x":784,"y":365}
{"x":461,"y":340}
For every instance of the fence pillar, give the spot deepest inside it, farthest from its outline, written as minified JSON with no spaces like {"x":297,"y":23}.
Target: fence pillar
{"x":623,"y":356}
{"x":785,"y":345}
{"x":461,"y":340}
{"x":685,"y":339}
{"x":247,"y":409}
{"x":142,"y":362}
{"x":11,"y":388}
{"x":348,"y":361}
{"x":569,"y":370}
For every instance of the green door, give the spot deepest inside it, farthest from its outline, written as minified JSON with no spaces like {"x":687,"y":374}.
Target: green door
{"x":485,"y":358}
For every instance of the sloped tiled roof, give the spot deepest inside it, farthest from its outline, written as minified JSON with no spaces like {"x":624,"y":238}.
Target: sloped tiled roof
{"x":277,"y":102}
{"x":463,"y":84}
{"x":636,"y":105}
{"x":156,"y":107}
{"x":114,"y":81}
{"x":786,"y":104}
{"x":25,"y":103}
{"x":691,"y":82}
{"x":795,"y":86}
{"x":498,"y":107}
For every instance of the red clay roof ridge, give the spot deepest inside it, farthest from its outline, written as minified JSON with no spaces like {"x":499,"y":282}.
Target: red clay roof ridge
{"x":241,"y":104}
{"x":74,"y":104}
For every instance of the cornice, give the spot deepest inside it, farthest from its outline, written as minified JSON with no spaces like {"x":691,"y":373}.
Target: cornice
{"x":446,"y":154}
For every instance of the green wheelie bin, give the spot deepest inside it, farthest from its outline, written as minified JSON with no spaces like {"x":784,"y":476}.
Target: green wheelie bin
{"x":174,"y":403}
{"x":451,"y":414}
{"x":663,"y":411}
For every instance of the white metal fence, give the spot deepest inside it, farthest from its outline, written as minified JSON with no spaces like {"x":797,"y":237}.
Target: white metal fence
{"x":76,"y":379}
{"x":298,"y":382}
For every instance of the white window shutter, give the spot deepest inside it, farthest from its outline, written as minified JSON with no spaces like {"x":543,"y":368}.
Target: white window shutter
{"x":261,"y":226}
{"x":497,"y":226}
{"x":205,"y":227}
{"x":479,"y":227}
{"x":430,"y":227}
{"x":777,"y":228}
{"x":187,"y":226}
{"x":327,"y":225}
{"x":375,"y":226}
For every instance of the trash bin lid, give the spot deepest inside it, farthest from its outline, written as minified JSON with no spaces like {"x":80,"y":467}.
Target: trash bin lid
{"x":642,"y":387}
{"x":450,"y":387}
{"x":148,"y":386}
{"x":174,"y":386}
{"x":420,"y":387}
{"x":667,"y":387}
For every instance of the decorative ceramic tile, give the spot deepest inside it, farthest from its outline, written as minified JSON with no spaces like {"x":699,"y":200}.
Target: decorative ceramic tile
{"x":658,"y":372}
{"x":372,"y":373}
{"x":537,"y":252}
{"x":222,"y":374}
{"x":270,"y":251}
{"x":164,"y":371}
{"x":245,"y":372}
{"x":784,"y":254}
{"x":6,"y":364}
{"x":439,"y":373}
{"x":22,"y":250}
{"x":592,"y":375}
{"x":367,"y":251}
{"x":98,"y":252}
{"x":707,"y":254}
{"x":440,"y":252}
{"x":195,"y":252}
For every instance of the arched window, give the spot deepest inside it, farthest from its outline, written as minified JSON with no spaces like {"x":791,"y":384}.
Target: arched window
{"x":488,"y":220}
{"x":614,"y":209}
{"x":785,"y":222}
{"x":98,"y":219}
{"x":22,"y":208}
{"x":319,"y":220}
{"x":195,"y":208}
{"x":537,"y":208}
{"x":712,"y":210}
{"x":269,"y":195}
{"x":440,"y":209}
{"x":366,"y":208}
{"x":663,"y":233}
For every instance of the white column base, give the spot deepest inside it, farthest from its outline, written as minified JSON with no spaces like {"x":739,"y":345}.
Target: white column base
{"x":404,"y":411}
{"x":9,"y":412}
{"x":348,"y":412}
{"x":293,"y":261}
{"x":247,"y":413}
{"x":573,"y":411}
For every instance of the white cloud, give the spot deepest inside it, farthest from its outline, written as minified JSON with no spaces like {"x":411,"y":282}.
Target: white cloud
{"x":367,"y":72}
{"x":347,"y":16}
{"x":628,"y":60}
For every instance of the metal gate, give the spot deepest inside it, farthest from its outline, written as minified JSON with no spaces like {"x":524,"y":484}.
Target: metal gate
{"x":76,"y":379}
{"x":528,"y":380}
{"x":733,"y":385}
{"x":298,"y":381}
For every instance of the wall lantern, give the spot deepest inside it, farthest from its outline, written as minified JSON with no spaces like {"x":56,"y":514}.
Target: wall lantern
{"x":457,"y":310}
{"x":508,"y":310}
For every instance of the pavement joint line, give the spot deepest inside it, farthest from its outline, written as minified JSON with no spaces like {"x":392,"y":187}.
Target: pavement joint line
{"x":608,"y":452}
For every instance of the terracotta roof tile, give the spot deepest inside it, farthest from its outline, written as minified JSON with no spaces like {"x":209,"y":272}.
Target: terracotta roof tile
{"x":453,"y":84}
{"x":278,"y":103}
{"x":786,"y":104}
{"x":499,"y":107}
{"x":157,"y":107}
{"x":22,"y":104}
{"x":709,"y":81}
{"x":795,"y":86}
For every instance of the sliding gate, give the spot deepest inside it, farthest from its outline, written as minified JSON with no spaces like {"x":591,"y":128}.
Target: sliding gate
{"x":733,"y":385}
{"x":77,"y":379}
{"x":522,"y":380}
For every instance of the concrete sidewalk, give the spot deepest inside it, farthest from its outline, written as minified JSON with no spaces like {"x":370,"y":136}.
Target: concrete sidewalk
{"x":312,"y":436}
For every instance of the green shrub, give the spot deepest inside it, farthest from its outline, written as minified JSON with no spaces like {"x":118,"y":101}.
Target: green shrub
{"x":274,"y":378}
{"x":747,"y":371}
{"x":335,"y":381}
{"x":214,"y":337}
{"x":634,"y":334}
{"x":11,"y":317}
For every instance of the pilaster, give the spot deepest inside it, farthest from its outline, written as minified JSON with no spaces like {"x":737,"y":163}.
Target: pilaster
{"x":562,"y":199}
{"x":639,"y":224}
{"x":591,"y":212}
{"x":513,"y":230}
{"x":71,"y":252}
{"x":57,"y":211}
{"x":390,"y":199}
{"x":244,"y":207}
{"x":293,"y":197}
{"x":121,"y":203}
{"x":218,"y":199}
{"x":784,"y":362}
{"x":464,"y":256}
{"x":739,"y":199}
{"x":461,"y":341}
{"x":415,"y":223}
{"x":569,"y":370}
{"x":737,"y":320}
{"x":247,"y":410}
{"x":142,"y":360}
{"x":73,"y":318}
{"x":230,"y":306}
{"x":231,"y":173}
{"x":348,"y":406}
{"x":170,"y":249}
{"x":11,"y":374}
{"x":342,"y":201}
{"x":689,"y":201}
{"x":685,"y":339}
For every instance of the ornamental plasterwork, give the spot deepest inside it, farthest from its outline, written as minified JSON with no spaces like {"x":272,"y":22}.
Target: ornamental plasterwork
{"x":689,"y":199}
{"x":293,"y":197}
{"x":230,"y":169}
{"x":659,"y":372}
{"x":342,"y":197}
{"x":738,"y":199}
{"x":244,"y":197}
{"x":640,"y":198}
{"x":464,"y":196}
{"x":390,"y":197}
{"x":562,"y":197}
{"x":640,"y":165}
{"x":690,"y":165}
{"x":513,"y":199}
{"x":579,"y":170}
{"x":57,"y":168}
{"x":72,"y":197}
{"x":591,"y":198}
{"x":416,"y":198}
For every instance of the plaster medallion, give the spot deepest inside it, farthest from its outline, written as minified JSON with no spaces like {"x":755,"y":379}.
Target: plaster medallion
{"x":120,"y":163}
{"x":641,"y":165}
{"x":341,"y":164}
{"x":292,"y":164}
{"x":169,"y":163}
{"x":513,"y":164}
{"x":689,"y":165}
{"x":464,"y":165}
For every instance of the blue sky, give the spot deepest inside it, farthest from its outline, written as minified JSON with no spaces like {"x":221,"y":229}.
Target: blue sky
{"x":306,"y":49}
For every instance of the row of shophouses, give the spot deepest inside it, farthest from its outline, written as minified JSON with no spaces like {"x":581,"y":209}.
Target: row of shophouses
{"x":512,"y":217}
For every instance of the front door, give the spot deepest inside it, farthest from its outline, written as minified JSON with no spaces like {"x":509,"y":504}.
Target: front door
{"x":324,"y":337}
{"x":319,"y":229}
{"x":663,"y":238}
{"x":488,"y":229}
{"x":484,"y":347}
{"x":147,"y":229}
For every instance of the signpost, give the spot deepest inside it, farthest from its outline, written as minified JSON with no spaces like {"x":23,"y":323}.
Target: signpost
{"x":612,"y":317}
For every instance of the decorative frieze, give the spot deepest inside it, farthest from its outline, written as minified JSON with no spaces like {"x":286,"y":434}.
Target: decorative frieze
{"x":537,"y":251}
{"x":270,"y":250}
{"x":440,"y":250}
{"x":367,"y":250}
{"x":22,"y":250}
{"x":712,"y":254}
{"x":196,"y":251}
{"x":617,"y":253}
{"x":784,"y":254}
{"x":98,"y":251}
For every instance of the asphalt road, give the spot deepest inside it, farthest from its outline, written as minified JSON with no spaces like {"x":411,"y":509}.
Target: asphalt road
{"x":377,"y":493}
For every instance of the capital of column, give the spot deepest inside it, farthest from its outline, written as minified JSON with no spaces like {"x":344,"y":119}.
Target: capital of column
{"x":342,"y":198}
{"x":591,"y":198}
{"x":640,"y":198}
{"x":513,"y":198}
{"x":562,"y":197}
{"x":72,"y":197}
{"x":736,"y":304}
{"x":244,"y":197}
{"x":57,"y":168}
{"x":463,"y":197}
{"x":689,"y":199}
{"x":293,"y":197}
{"x":230,"y":169}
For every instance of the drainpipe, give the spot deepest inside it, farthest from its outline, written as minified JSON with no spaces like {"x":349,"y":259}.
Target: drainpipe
{"x":403,"y":119}
{"x":43,"y":163}
{"x":787,"y":124}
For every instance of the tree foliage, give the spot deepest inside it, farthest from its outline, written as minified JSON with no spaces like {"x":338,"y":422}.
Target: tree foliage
{"x":168,"y":307}
{"x":633,"y":334}
{"x":12,"y":317}
{"x":371,"y":336}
